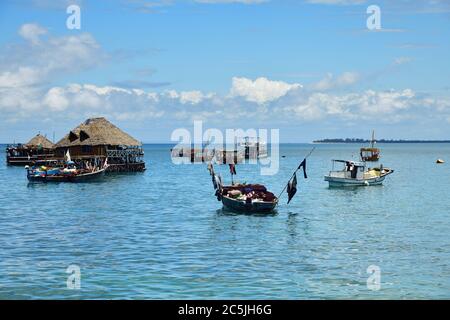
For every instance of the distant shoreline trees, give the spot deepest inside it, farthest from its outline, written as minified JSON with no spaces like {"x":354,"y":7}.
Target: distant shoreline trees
{"x":358,"y":140}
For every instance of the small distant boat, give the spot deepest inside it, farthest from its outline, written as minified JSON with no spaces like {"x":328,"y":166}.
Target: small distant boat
{"x":440,"y":161}
{"x":224,"y":156}
{"x":355,"y":174}
{"x":370,"y":154}
{"x":204,"y":155}
{"x":254,"y":148}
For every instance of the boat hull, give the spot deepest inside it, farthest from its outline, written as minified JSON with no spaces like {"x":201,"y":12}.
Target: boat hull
{"x":342,"y":182}
{"x":345,"y":182}
{"x":243,"y":207}
{"x":87,"y":177}
{"x":373,"y":158}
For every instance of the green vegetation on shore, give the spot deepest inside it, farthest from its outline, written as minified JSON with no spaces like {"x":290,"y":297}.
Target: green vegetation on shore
{"x":357,"y":140}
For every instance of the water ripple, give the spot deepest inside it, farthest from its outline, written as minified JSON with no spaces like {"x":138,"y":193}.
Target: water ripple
{"x":162,"y":234}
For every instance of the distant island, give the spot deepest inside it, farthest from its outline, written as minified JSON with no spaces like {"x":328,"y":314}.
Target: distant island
{"x":356,"y":140}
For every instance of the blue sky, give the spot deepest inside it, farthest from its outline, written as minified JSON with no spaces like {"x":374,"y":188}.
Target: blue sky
{"x":310,"y":68}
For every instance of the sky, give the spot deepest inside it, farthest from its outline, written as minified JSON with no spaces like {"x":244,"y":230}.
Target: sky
{"x":310,"y":68}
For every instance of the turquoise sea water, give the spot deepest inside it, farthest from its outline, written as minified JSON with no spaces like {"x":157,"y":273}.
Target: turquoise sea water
{"x":162,"y":234}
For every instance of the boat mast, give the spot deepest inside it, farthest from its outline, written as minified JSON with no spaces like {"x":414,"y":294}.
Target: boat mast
{"x":373,"y":138}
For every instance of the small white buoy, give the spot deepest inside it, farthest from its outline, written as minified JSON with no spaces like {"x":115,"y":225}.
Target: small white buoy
{"x":366,"y":183}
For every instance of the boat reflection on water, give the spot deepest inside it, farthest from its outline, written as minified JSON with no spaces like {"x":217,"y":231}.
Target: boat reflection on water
{"x":224,"y":211}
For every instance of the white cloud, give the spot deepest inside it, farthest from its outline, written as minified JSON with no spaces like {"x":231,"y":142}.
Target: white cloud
{"x":192,"y":97}
{"x":40,"y":60}
{"x":383,"y":106}
{"x":261,"y":90}
{"x":18,"y":102}
{"x":80,"y":101}
{"x":26,"y":90}
{"x":32,"y":32}
{"x":105,"y":90}
{"x":402,"y":60}
{"x":21,"y":76}
{"x":27,"y":68}
{"x":331,"y":82}
{"x":56,"y":100}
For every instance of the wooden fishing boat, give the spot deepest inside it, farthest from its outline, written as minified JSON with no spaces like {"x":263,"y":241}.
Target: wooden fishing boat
{"x":248,"y":198}
{"x":79,"y":176}
{"x":252,"y":207}
{"x":356,"y":174}
{"x":252,"y":198}
{"x":370,"y":154}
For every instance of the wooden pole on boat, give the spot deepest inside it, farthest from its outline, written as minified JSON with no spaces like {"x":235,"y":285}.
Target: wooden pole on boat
{"x":373,"y":138}
{"x":298,"y":168}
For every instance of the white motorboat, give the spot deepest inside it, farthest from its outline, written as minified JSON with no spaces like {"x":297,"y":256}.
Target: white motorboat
{"x":354,"y":174}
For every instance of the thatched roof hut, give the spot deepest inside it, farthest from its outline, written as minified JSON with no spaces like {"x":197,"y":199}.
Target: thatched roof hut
{"x":97,"y":138}
{"x":37,"y":149}
{"x":39,"y":141}
{"x":97,"y":132}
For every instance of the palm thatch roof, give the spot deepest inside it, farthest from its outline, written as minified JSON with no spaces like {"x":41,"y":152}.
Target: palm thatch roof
{"x":97,"y":132}
{"x":39,"y":141}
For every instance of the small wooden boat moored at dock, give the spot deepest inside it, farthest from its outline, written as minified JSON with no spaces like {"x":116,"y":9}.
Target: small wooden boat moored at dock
{"x":79,"y":176}
{"x":68,"y":172}
{"x":356,"y":174}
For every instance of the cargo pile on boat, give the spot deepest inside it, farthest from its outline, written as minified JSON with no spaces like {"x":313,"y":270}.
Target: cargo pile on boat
{"x":248,"y":192}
